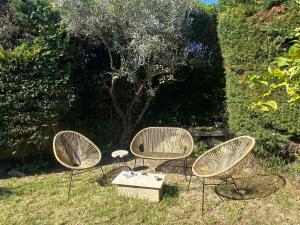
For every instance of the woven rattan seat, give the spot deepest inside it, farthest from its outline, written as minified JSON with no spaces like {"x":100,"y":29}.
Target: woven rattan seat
{"x":162,"y":143}
{"x":75,"y":151}
{"x":161,"y":155}
{"x":222,"y":161}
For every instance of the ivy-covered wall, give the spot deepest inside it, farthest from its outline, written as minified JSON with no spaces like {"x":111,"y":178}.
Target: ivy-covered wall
{"x":252,"y":33}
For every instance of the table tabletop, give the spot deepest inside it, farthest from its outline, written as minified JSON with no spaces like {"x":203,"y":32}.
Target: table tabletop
{"x":140,"y":179}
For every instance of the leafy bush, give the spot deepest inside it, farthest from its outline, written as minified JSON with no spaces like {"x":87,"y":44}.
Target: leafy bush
{"x":199,"y":148}
{"x":7,"y":27}
{"x":251,"y":34}
{"x":35,"y":92}
{"x":283,"y":75}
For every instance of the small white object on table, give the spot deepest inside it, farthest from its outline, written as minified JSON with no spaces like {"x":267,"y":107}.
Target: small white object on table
{"x":120,"y":154}
{"x":140,"y":185}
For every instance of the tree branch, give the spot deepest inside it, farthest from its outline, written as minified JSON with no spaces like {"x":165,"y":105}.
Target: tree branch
{"x":186,"y":77}
{"x":144,"y":110}
{"x":135,"y":98}
{"x":113,"y":98}
{"x":154,"y":74}
{"x":110,"y":56}
{"x":141,"y":88}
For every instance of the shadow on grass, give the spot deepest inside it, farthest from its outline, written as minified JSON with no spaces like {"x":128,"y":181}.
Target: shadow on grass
{"x":107,"y":178}
{"x":140,"y":168}
{"x":170,"y":192}
{"x":5,"y":192}
{"x":46,"y":165}
{"x":257,"y":186}
{"x":175,"y":166}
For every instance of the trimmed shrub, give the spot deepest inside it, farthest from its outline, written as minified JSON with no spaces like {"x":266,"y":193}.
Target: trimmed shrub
{"x":35,"y":88}
{"x":251,"y":34}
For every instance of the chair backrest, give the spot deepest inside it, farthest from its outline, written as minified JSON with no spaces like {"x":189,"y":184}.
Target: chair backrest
{"x":162,"y":139}
{"x":72,"y":149}
{"x":223,"y":157}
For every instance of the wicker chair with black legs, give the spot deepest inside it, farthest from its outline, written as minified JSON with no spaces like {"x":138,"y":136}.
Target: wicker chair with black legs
{"x":162,"y":143}
{"x":222,"y":161}
{"x":76,"y":152}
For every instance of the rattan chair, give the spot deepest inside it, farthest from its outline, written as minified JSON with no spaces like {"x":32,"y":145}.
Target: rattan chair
{"x":222,"y":161}
{"x":76,"y":152}
{"x":162,"y":143}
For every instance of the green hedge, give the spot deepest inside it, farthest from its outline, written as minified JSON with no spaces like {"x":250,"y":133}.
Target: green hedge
{"x":251,"y":34}
{"x":35,"y":88}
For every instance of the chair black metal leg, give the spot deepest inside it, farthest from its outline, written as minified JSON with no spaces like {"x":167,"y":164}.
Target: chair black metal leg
{"x":134,"y":163}
{"x":233,"y":181}
{"x":70,"y":183}
{"x":236,"y":187}
{"x":215,"y":190}
{"x":190,"y":182}
{"x":203,"y":195}
{"x":185,"y":169}
{"x":124,"y":164}
{"x":118,"y":161}
{"x":143,"y":163}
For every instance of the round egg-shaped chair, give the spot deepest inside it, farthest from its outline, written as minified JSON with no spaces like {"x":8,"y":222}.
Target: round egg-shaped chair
{"x":162,"y":143}
{"x":223,"y":160}
{"x":75,"y":151}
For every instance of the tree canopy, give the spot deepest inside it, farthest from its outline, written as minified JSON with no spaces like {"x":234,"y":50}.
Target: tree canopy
{"x":163,"y":69}
{"x":147,"y":43}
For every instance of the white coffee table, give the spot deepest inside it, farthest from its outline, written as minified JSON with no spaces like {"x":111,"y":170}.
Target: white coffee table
{"x":147,"y":186}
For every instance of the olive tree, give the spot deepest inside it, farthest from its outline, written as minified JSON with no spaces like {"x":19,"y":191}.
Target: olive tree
{"x":146,"y":42}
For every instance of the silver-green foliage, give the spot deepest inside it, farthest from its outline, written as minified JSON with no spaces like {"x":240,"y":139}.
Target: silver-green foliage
{"x":143,"y":33}
{"x":146,"y":41}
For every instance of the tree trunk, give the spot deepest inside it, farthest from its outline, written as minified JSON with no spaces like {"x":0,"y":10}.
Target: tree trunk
{"x":129,"y":124}
{"x":126,"y":133}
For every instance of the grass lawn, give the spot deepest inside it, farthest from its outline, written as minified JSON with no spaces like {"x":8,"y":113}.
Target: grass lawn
{"x":41,"y":199}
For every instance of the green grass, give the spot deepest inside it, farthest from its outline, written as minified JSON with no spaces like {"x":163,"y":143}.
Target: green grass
{"x":43,"y":200}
